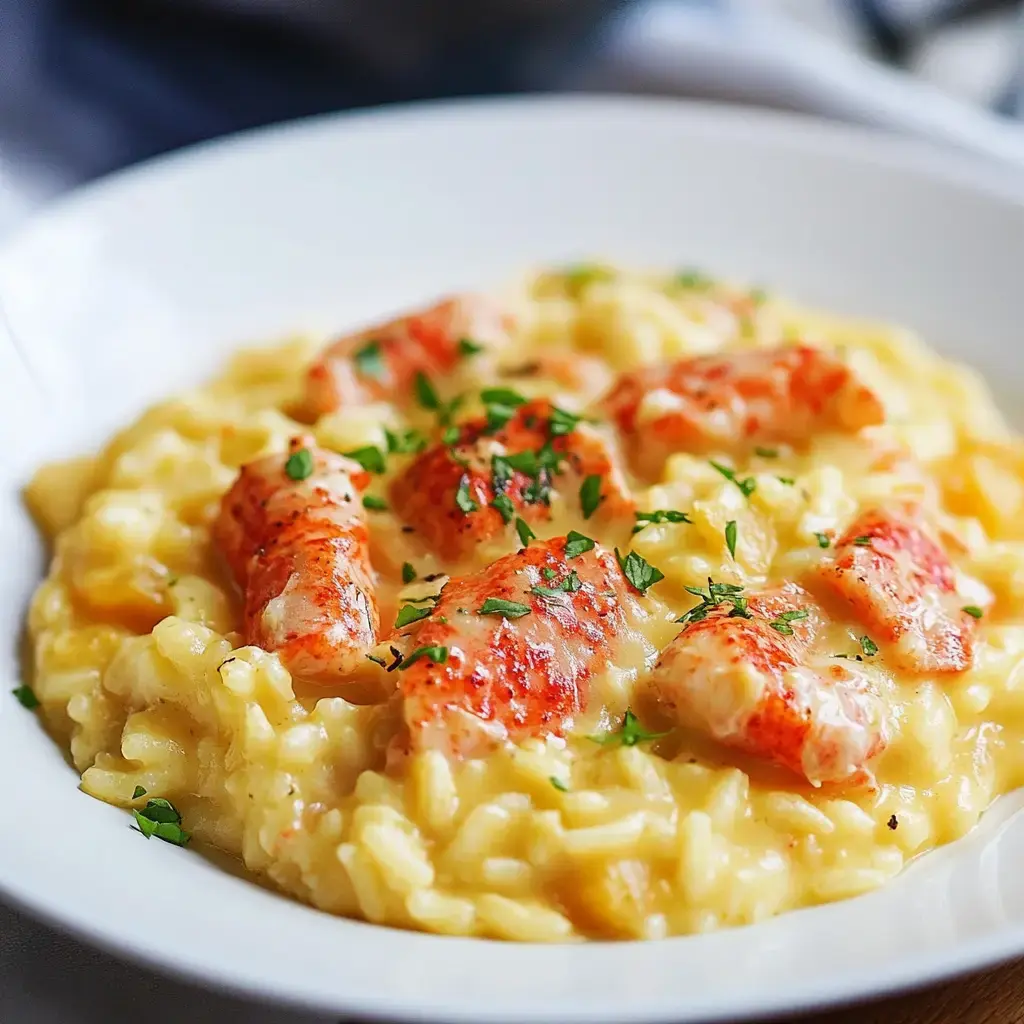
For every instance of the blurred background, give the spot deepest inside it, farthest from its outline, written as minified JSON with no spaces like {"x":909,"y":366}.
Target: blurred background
{"x":93,"y":85}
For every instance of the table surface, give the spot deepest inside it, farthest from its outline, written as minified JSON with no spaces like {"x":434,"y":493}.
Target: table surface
{"x":52,"y":979}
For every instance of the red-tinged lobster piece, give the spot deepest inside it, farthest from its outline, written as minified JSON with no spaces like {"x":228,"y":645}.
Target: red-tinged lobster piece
{"x":900,"y":585}
{"x":735,"y":400}
{"x":460,"y":495}
{"x":381,"y":363}
{"x":510,"y":651}
{"x":745,"y":675}
{"x":291,"y":528}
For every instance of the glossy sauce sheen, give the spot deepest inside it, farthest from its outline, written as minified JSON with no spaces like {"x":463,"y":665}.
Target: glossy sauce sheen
{"x":787,"y":665}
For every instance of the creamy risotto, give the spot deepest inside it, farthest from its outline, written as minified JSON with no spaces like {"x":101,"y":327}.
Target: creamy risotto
{"x":615,"y":606}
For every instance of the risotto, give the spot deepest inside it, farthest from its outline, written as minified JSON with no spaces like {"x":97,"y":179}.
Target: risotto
{"x":614,"y":606}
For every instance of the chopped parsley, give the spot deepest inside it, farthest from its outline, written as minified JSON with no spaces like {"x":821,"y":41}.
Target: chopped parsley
{"x":548,"y":573}
{"x":468,"y":347}
{"x":767,"y":453}
{"x":868,"y":646}
{"x":629,"y":734}
{"x":747,"y":485}
{"x":299,"y":465}
{"x":408,"y":442}
{"x":693,"y":279}
{"x":408,"y":572}
{"x":782,"y":623}
{"x":973,"y":610}
{"x":590,"y":495}
{"x":450,"y":435}
{"x":435,"y":652}
{"x":787,"y":480}
{"x":558,"y":784}
{"x":576,"y":544}
{"x":26,"y":697}
{"x":499,"y":606}
{"x":369,"y":362}
{"x":160,"y":818}
{"x":139,"y":791}
{"x":862,"y":541}
{"x":638,"y":570}
{"x":569,"y":585}
{"x":730,"y":537}
{"x":426,"y":393}
{"x":500,"y":405}
{"x":710,"y":598}
{"x":370,"y":457}
{"x":463,"y":499}
{"x":662,"y":515}
{"x":525,"y":533}
{"x":823,"y":541}
{"x":409,"y":614}
{"x":374,"y":504}
{"x":503,"y":503}
{"x":562,"y":422}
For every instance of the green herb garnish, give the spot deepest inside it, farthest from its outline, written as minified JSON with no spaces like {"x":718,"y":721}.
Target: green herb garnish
{"x":525,"y":533}
{"x":590,"y":495}
{"x":139,"y":791}
{"x":408,"y":572}
{"x":468,"y":347}
{"x":569,"y":585}
{"x":463,"y":499}
{"x":370,"y":457}
{"x":730,"y":537}
{"x":868,"y":646}
{"x":369,"y":362}
{"x":863,"y":541}
{"x":26,"y":697}
{"x":693,"y":279}
{"x":823,"y":541}
{"x":500,"y":405}
{"x":499,"y":606}
{"x":638,"y":570}
{"x":747,"y":485}
{"x":299,"y":465}
{"x":161,"y":819}
{"x":409,"y":614}
{"x":558,"y":784}
{"x":408,"y":442}
{"x":563,"y":422}
{"x":576,"y":544}
{"x":710,"y":598}
{"x":973,"y":610}
{"x":503,"y":503}
{"x":767,"y":453}
{"x":436,"y":653}
{"x":782,"y":623}
{"x":663,"y":515}
{"x":374,"y":504}
{"x":789,"y":481}
{"x":629,"y":734}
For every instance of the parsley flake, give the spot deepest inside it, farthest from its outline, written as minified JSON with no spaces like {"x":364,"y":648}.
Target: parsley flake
{"x":590,"y":495}
{"x":558,"y":784}
{"x":525,"y":533}
{"x":782,"y":623}
{"x":973,"y":610}
{"x":426,"y":393}
{"x":863,"y":541}
{"x":712,"y":597}
{"x":26,"y":697}
{"x":408,"y":442}
{"x":370,"y":457}
{"x":562,"y":422}
{"x":468,"y":347}
{"x":868,"y":646}
{"x":409,"y":614}
{"x":139,"y":791}
{"x":463,"y":499}
{"x":638,"y":570}
{"x":730,"y":537}
{"x":569,"y":585}
{"x":299,"y":465}
{"x":789,"y":481}
{"x":576,"y":544}
{"x":823,"y":540}
{"x":408,"y":572}
{"x":369,"y":362}
{"x":503,"y":503}
{"x":374,"y":504}
{"x":160,"y":818}
{"x":499,"y":606}
{"x":767,"y":453}
{"x":747,"y":485}
{"x":434,"y":652}
{"x":662,"y":515}
{"x":548,"y":573}
{"x":629,"y":734}
{"x":500,"y":405}
{"x":450,"y":435}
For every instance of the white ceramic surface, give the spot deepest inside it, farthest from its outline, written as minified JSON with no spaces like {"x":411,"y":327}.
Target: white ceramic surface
{"x":142,"y":284}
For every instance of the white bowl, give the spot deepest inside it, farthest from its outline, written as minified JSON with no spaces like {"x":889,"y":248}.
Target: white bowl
{"x":141,"y":284}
